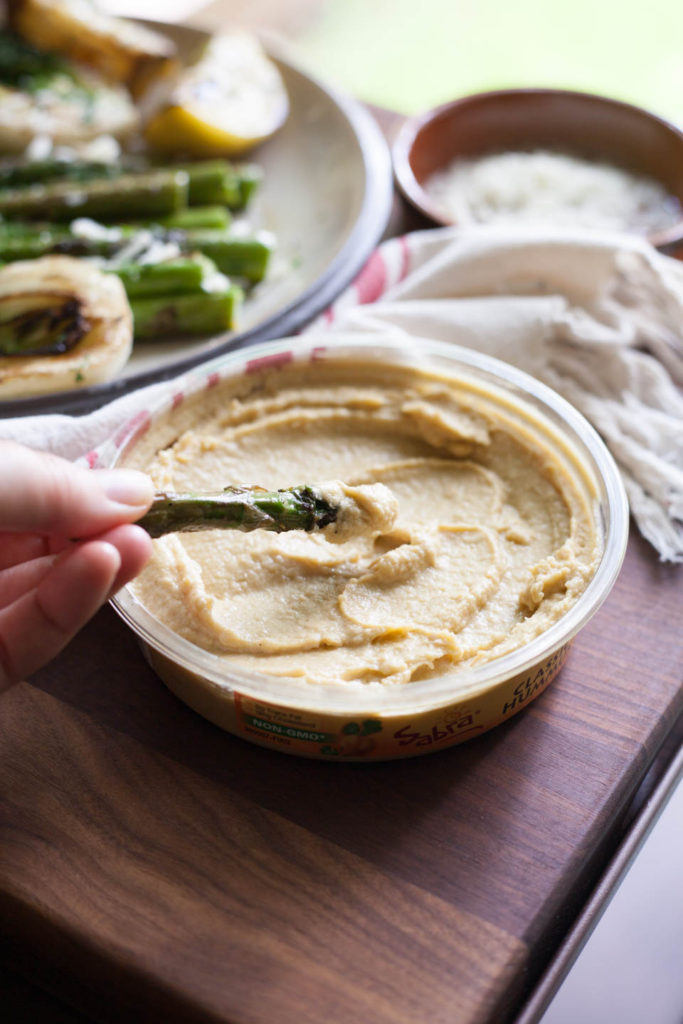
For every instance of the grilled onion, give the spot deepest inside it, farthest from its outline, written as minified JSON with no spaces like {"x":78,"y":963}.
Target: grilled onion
{"x":120,"y":49}
{"x":63,"y":324}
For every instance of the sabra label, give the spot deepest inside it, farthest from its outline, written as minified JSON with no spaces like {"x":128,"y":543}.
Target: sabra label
{"x":448,"y":728}
{"x":367,"y":737}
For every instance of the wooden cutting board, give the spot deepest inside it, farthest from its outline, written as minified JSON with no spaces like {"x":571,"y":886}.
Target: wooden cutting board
{"x":154,"y":868}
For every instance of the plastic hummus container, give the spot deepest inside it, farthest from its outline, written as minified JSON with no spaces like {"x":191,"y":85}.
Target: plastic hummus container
{"x":374,"y":722}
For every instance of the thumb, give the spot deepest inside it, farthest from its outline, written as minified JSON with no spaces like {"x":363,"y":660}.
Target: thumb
{"x":45,"y":494}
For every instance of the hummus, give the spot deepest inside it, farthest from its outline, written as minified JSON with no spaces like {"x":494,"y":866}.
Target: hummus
{"x":480,"y":537}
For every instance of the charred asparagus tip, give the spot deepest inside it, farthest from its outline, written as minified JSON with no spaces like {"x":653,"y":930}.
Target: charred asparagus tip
{"x":240,"y":508}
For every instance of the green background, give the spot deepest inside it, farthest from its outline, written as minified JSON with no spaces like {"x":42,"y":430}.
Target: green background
{"x":411,"y":54}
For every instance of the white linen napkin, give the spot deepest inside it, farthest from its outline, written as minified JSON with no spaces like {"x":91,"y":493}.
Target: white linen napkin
{"x":597,"y":317}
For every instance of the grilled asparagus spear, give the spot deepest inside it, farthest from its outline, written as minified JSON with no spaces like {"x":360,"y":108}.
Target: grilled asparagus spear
{"x":27,"y":241}
{"x":17,"y":172}
{"x":234,"y":255}
{"x":194,"y":217}
{"x":155,"y":193}
{"x":240,"y":508}
{"x":196,"y":313}
{"x":209,"y":182}
{"x":169,"y":278}
{"x":220,"y":181}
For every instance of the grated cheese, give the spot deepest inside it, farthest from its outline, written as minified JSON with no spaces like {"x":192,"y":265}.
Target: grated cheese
{"x":554,"y":188}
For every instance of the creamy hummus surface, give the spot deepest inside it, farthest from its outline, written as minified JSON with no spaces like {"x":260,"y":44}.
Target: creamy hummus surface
{"x":481,"y":534}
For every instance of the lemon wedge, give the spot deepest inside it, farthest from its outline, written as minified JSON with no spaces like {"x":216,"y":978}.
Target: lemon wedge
{"x":230,"y":99}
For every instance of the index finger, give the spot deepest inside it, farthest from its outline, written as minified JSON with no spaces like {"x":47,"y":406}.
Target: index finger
{"x":47,"y":495}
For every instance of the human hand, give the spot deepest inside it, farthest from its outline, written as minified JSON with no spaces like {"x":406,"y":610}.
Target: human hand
{"x":50,"y":585}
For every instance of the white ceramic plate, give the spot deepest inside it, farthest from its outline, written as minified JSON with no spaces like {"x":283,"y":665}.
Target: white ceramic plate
{"x":326,"y":195}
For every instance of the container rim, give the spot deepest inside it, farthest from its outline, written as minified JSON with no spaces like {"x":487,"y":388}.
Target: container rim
{"x":566,"y":422}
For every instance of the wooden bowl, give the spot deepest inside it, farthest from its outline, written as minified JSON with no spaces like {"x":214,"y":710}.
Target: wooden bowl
{"x":593,"y":127}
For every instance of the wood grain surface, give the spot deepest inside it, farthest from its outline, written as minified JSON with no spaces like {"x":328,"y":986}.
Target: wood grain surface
{"x":153,"y":868}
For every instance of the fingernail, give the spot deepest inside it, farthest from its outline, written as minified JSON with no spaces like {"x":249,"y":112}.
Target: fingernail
{"x":127,"y":486}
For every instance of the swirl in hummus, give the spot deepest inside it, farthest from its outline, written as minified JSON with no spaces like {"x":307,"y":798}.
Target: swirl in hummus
{"x":481,"y":535}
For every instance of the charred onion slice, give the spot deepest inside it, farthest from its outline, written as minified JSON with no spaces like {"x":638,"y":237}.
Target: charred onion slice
{"x":63,"y":324}
{"x":51,"y":324}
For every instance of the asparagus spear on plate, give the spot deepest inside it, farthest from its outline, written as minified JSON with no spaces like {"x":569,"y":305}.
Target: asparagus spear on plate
{"x":169,"y":277}
{"x":160,"y":316}
{"x":155,"y":193}
{"x":208,"y":182}
{"x":17,"y":172}
{"x":234,"y":255}
{"x":240,"y":508}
